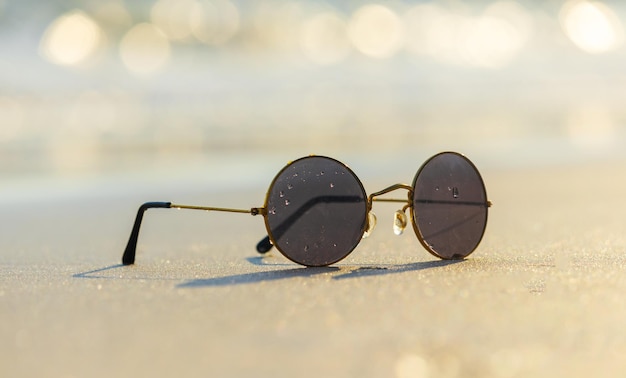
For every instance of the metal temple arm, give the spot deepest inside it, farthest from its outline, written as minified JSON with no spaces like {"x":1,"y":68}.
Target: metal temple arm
{"x":131,"y":248}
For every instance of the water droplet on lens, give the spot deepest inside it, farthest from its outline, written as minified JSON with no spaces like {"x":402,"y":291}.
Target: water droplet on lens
{"x":332,"y":185}
{"x":437,"y":188}
{"x":322,"y":173}
{"x":455,"y":192}
{"x":289,"y":186}
{"x":306,"y":248}
{"x":273,"y":210}
{"x":281,"y":194}
{"x":287,"y":202}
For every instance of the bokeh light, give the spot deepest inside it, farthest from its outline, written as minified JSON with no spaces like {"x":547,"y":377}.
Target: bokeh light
{"x":592,"y":26}
{"x":274,"y":27}
{"x":144,"y":49}
{"x":504,"y":29}
{"x":490,"y":40}
{"x":324,"y":38}
{"x":71,"y":39}
{"x":172,"y":17}
{"x":376,"y":31}
{"x":433,"y":31}
{"x":112,"y":15}
{"x":413,"y":365}
{"x":214,"y":22}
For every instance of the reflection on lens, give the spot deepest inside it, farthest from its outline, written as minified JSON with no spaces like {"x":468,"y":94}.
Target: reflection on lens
{"x":449,"y":206}
{"x":316,"y":211}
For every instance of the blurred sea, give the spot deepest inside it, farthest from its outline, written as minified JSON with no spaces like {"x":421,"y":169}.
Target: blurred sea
{"x":114,"y":97}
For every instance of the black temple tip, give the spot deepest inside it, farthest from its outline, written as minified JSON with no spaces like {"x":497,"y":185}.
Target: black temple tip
{"x":129,"y":253}
{"x":264,"y":245}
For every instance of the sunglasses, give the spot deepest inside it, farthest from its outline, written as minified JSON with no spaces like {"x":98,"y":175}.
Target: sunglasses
{"x":316,"y":210}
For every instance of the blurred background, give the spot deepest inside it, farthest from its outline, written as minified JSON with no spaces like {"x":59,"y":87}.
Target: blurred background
{"x":147,"y":90}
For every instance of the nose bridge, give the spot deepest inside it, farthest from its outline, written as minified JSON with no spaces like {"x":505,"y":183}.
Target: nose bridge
{"x":373,"y":197}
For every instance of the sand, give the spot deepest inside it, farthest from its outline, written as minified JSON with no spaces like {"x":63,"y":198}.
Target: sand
{"x":544,"y":294}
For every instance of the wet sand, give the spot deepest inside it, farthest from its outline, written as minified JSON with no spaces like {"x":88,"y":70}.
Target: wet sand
{"x":544,"y":294}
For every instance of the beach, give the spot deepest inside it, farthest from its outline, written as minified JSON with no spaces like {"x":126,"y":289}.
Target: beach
{"x":541,"y":296}
{"x":108,"y":105}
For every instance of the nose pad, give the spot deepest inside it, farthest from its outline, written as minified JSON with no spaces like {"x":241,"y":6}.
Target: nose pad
{"x":399,"y":222}
{"x":371,"y":223}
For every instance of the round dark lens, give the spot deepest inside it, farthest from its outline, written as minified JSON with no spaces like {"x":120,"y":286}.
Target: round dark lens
{"x":316,"y":211}
{"x":449,"y":206}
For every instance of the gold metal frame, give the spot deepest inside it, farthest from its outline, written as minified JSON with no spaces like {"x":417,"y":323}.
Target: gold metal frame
{"x":252,"y":211}
{"x":130,"y":251}
{"x":267,"y":243}
{"x":487,"y":204}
